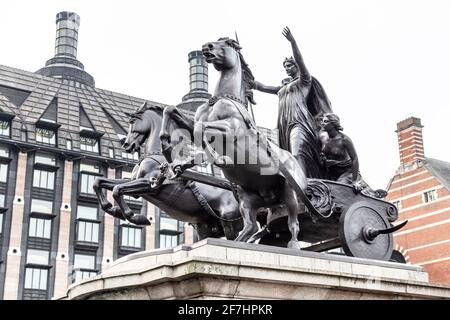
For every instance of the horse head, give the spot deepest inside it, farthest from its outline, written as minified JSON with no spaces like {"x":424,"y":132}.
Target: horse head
{"x":225,"y":55}
{"x":141,"y":124}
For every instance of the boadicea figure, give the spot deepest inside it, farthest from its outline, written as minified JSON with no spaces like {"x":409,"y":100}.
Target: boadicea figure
{"x":340,"y":158}
{"x":301,"y":101}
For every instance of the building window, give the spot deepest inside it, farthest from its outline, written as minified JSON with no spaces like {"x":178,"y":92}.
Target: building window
{"x":130,"y":156}
{"x":87,"y":224}
{"x":36,"y":278}
{"x":87,"y":167}
{"x":111,"y":152}
{"x":39,"y":257}
{"x":41,"y":206}
{"x":168,"y":241}
{"x":130,"y":236}
{"x":36,"y":275}
{"x":89,"y":213}
{"x":168,"y":224}
{"x":430,"y":196}
{"x":89,"y":172}
{"x":46,"y":136}
{"x":86,"y":184}
{"x":4,"y":152}
{"x":69,"y":144}
{"x":169,"y":232}
{"x":43,"y":179}
{"x":1,"y":224}
{"x":87,"y":231}
{"x":89,"y":144}
{"x":47,"y":159}
{"x":3,"y":172}
{"x":4,"y":128}
{"x":40,"y":228}
{"x":84,"y":267}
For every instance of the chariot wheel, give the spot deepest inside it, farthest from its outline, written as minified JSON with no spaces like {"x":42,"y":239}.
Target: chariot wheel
{"x":365,"y":232}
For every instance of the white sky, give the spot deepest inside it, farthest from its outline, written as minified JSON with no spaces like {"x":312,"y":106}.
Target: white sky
{"x":379,"y":61}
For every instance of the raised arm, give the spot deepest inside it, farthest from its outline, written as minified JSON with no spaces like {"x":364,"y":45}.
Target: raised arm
{"x":297,"y":55}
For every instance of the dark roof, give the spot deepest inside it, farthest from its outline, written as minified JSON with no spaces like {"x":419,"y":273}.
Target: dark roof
{"x":439,"y":169}
{"x":37,"y":92}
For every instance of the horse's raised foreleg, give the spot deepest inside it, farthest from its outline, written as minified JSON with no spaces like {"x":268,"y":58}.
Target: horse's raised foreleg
{"x":108,"y":184}
{"x":215,"y":132}
{"x":132,"y":187}
{"x":172,"y":117}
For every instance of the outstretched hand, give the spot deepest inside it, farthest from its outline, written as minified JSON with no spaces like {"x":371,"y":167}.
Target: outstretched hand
{"x":357,"y":186}
{"x":287,"y":33}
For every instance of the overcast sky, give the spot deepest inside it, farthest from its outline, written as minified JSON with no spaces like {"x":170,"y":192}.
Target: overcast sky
{"x":379,"y":61}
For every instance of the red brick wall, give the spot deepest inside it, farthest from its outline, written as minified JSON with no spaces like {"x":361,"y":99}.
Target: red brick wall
{"x":425,"y":240}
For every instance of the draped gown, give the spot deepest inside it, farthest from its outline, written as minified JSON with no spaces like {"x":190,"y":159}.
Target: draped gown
{"x":298,"y":132}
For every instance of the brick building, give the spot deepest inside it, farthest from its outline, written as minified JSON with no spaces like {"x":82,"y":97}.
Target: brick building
{"x":421,"y":191}
{"x":58,"y":132}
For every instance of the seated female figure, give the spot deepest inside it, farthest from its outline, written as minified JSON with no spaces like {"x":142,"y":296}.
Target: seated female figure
{"x":340,"y":158}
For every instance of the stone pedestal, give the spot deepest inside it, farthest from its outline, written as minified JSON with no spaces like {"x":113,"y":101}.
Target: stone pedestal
{"x":221,"y":269}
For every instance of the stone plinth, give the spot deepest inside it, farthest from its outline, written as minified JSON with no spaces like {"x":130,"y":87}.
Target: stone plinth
{"x":221,"y":269}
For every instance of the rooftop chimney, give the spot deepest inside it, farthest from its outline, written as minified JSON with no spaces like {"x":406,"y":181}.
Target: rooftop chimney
{"x":67,"y":24}
{"x":410,"y":141}
{"x":64,"y":64}
{"x":198,"y":82}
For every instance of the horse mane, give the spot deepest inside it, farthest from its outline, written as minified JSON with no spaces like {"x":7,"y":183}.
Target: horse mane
{"x":247,"y":75}
{"x":144,"y":107}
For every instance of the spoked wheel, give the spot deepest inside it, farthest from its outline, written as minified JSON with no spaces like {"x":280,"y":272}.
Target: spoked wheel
{"x":366,"y":233}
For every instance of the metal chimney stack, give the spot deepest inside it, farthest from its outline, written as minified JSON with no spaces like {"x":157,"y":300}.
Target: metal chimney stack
{"x":67,"y":24}
{"x":64,"y":64}
{"x":198,"y":82}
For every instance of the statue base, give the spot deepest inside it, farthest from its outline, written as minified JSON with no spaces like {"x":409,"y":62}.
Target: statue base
{"x":221,"y":269}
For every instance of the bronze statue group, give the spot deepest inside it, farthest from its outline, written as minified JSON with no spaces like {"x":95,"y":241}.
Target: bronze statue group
{"x":312,"y":153}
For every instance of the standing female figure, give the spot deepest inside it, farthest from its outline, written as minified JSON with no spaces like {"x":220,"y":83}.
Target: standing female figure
{"x":298,"y":131}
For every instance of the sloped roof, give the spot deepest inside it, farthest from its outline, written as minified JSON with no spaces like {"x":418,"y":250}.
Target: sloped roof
{"x":440,"y":169}
{"x":70,"y":96}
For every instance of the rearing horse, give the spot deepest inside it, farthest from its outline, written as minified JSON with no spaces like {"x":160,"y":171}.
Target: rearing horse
{"x":217,"y":216}
{"x":274,"y":177}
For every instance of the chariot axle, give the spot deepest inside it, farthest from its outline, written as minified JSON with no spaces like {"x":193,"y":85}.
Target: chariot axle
{"x":370,"y":233}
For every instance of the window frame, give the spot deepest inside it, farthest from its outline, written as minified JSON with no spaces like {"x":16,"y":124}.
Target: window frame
{"x":8,"y":123}
{"x":430,"y":196}
{"x":52,"y":140}
{"x":83,"y":269}
{"x":87,"y":221}
{"x":168,"y":232}
{"x":42,"y":212}
{"x":49,"y":173}
{"x":40,"y":268}
{"x":96,"y":146}
{"x":128,"y":226}
{"x":46,"y":220}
